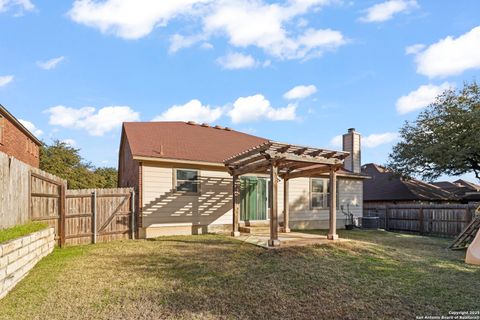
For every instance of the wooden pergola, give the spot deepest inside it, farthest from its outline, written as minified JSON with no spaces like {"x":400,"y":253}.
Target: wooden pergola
{"x":284,"y":161}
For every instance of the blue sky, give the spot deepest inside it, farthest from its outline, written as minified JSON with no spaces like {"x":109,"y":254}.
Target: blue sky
{"x":298,"y":71}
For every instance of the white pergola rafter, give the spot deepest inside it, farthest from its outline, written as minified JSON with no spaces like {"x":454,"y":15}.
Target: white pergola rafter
{"x":286,"y":161}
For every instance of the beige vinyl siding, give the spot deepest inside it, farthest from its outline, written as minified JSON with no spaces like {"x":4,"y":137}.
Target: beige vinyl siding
{"x":166,"y":211}
{"x":163,"y":205}
{"x":350,"y":196}
{"x":350,"y":192}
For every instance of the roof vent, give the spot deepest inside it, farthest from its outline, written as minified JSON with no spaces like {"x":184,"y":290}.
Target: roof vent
{"x":219,"y":127}
{"x":228,"y":129}
{"x":206,"y":125}
{"x":191,"y":123}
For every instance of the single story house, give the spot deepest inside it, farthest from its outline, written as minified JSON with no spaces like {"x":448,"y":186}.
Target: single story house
{"x":182,"y":172}
{"x":387,"y":188}
{"x":466,"y":191}
{"x":17,"y":141}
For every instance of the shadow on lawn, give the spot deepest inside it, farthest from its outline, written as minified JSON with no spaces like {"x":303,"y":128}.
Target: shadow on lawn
{"x":224,"y":278}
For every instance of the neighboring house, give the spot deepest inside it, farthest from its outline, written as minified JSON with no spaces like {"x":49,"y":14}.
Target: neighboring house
{"x":17,"y":141}
{"x":466,"y":191}
{"x":183,"y":186}
{"x":385,"y":187}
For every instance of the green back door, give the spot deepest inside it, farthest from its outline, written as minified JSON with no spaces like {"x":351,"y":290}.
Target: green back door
{"x":253,"y":205}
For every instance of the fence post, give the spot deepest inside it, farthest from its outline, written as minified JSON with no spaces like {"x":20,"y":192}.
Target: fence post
{"x":132,"y":222}
{"x":61,"y":208}
{"x":421,"y":217}
{"x":387,"y":209}
{"x":94,"y":216}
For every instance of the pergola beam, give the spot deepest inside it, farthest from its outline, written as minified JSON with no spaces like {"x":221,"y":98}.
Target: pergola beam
{"x":303,"y":158}
{"x":284,"y":148}
{"x":306,"y":172}
{"x":250,"y":160}
{"x":316,"y":153}
{"x":253,"y":167}
{"x":249,"y":153}
{"x":292,"y":165}
{"x":300,"y":151}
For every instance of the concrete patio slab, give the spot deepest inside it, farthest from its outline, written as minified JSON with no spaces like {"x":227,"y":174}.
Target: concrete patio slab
{"x":286,"y":239}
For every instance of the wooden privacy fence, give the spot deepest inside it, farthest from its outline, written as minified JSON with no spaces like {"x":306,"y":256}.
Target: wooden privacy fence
{"x":46,"y":201}
{"x":446,"y":220}
{"x":15,"y":190}
{"x":82,"y":216}
{"x":99,"y":215}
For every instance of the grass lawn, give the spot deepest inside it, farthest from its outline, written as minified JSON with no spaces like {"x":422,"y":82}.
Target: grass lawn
{"x":377,"y":275}
{"x":20,"y":230}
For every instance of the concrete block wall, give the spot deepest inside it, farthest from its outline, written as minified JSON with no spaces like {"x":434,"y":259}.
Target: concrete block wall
{"x":19,"y":256}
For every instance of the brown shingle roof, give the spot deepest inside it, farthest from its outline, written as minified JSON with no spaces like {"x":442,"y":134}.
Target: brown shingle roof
{"x":185,"y":141}
{"x":459,"y":187}
{"x":386,"y":186}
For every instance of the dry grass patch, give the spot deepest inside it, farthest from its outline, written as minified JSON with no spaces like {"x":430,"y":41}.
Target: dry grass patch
{"x":376,"y":275}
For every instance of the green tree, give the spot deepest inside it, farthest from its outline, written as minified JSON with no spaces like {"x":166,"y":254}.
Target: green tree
{"x":444,"y":139}
{"x":65,"y":161}
{"x":107,"y":177}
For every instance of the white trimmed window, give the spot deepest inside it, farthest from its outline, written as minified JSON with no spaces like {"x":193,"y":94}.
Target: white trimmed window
{"x":187,"y":180}
{"x":320,"y":193}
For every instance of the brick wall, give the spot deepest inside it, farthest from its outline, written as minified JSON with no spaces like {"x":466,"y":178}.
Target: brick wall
{"x":19,"y":256}
{"x":17,"y":144}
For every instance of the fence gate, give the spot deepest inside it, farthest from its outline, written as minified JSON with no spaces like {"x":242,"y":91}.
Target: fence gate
{"x":99,"y":215}
{"x":81,"y":216}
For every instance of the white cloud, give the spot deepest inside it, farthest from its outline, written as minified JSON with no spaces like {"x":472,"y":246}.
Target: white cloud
{"x":268,"y":26}
{"x":4,"y":80}
{"x":178,"y":41}
{"x":206,"y":46}
{"x":264,"y":25}
{"x":31,"y":127}
{"x":50,"y":64}
{"x":371,"y":141}
{"x":192,"y":110}
{"x":130,"y":19}
{"x":256,"y":107}
{"x":237,"y":60}
{"x":450,"y":56}
{"x":420,"y":98}
{"x":414,"y":49}
{"x":22,"y":5}
{"x":95,"y":123}
{"x":70,"y":142}
{"x":337,"y":142}
{"x":314,"y":42}
{"x":376,"y":139}
{"x":386,"y":10}
{"x":300,"y":92}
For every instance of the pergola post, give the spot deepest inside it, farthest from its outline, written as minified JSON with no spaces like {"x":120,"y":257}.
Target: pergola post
{"x":236,"y":206}
{"x":286,"y":209}
{"x":273,"y":190}
{"x":332,"y":232}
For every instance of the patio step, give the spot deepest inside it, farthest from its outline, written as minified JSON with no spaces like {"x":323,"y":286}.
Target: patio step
{"x":255,"y":223}
{"x":255,"y":229}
